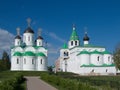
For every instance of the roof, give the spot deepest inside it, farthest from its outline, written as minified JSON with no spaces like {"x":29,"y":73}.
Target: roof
{"x":39,"y":37}
{"x":29,"y":30}
{"x":87,"y":46}
{"x":106,"y":52}
{"x":95,"y":52}
{"x":18,"y":37}
{"x":83,"y":52}
{"x":17,"y":54}
{"x":92,"y":65}
{"x":65,"y":46}
{"x":74,"y":35}
{"x":41,"y":54}
{"x":28,"y":53}
{"x":86,"y":38}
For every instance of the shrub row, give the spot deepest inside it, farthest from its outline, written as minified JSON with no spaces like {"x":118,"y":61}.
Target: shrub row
{"x":66,"y":84}
{"x":13,"y":83}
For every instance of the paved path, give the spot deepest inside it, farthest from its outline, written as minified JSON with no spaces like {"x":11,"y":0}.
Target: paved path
{"x":34,"y":83}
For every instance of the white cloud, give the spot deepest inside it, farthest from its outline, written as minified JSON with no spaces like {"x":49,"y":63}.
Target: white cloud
{"x":54,"y":36}
{"x":6,"y":40}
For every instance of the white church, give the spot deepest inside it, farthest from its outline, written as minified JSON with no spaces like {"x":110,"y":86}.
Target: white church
{"x":85,"y":59}
{"x":28,"y":54}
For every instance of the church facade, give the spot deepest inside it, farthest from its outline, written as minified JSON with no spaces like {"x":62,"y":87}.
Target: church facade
{"x":85,"y":59}
{"x":28,"y":54}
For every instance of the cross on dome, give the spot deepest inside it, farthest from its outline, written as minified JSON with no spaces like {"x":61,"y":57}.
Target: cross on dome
{"x":28,"y":21}
{"x":39,"y":31}
{"x":18,"y":30}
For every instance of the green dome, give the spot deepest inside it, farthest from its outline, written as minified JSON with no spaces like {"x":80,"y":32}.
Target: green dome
{"x":17,"y":54}
{"x":28,"y":53}
{"x":106,"y":52}
{"x":65,"y":46}
{"x":95,"y":52}
{"x":41,"y":54}
{"x":74,"y":35}
{"x":84,"y":52}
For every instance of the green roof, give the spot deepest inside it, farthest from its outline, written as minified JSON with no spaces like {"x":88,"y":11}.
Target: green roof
{"x":83,"y":52}
{"x":106,"y":52}
{"x":89,"y":45}
{"x":17,"y":54}
{"x":65,"y":46}
{"x":92,"y":65}
{"x":41,"y":54}
{"x":28,"y":53}
{"x":74,"y":35}
{"x":95,"y":52}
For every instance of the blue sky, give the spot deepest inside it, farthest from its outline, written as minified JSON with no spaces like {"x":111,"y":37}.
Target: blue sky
{"x":55,"y":17}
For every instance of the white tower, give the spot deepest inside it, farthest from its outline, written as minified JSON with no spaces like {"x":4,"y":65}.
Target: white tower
{"x":28,"y":35}
{"x":18,"y":38}
{"x":74,"y":39}
{"x":64,"y":52}
{"x":39,"y":39}
{"x":86,"y":39}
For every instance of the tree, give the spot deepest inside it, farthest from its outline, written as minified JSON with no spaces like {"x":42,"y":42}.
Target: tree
{"x":5,"y":61}
{"x":116,"y":57}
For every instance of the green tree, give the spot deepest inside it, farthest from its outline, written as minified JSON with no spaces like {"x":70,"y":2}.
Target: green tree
{"x":116,"y":57}
{"x":5,"y":61}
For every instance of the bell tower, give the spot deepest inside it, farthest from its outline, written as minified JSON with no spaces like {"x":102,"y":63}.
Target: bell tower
{"x":74,"y":39}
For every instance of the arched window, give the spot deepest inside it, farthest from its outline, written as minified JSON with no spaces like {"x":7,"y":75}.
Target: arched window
{"x":24,"y":38}
{"x":71,"y":43}
{"x":18,"y":42}
{"x":24,"y":61}
{"x":65,"y":53}
{"x":92,"y":70}
{"x":41,"y":61}
{"x":75,"y":42}
{"x":32,"y":61}
{"x":98,"y":58}
{"x":17,"y":61}
{"x":109,"y":58}
{"x":28,"y":38}
{"x":39,"y":43}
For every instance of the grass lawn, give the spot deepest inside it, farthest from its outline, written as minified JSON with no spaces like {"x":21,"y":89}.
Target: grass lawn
{"x":113,"y":82}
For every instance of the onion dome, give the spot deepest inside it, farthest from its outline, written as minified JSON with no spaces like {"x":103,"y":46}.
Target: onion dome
{"x":74,"y":35}
{"x":18,"y":33}
{"x":39,"y":37}
{"x":86,"y":38}
{"x":18,"y":37}
{"x":29,"y":30}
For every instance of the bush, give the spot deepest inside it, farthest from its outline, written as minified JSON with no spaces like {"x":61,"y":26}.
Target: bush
{"x":13,"y":83}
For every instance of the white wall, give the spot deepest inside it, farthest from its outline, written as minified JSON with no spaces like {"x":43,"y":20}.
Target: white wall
{"x":28,"y":38}
{"x":17,"y":42}
{"x":16,"y":65}
{"x":107,"y":59}
{"x":84,"y":59}
{"x":41,"y":64}
{"x":94,"y":59}
{"x":27,"y":63}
